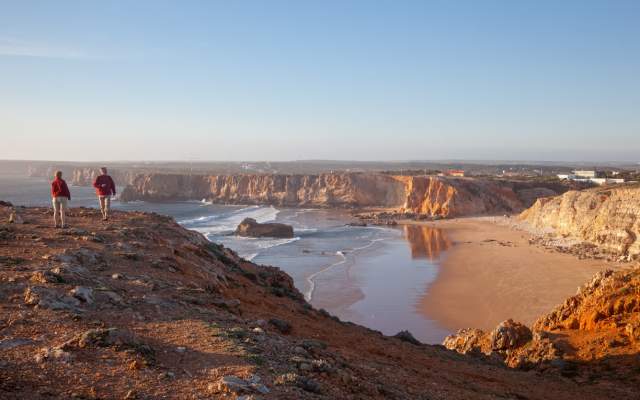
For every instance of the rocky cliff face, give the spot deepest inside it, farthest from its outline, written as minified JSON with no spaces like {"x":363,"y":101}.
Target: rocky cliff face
{"x":606,"y":217}
{"x":142,"y":308}
{"x":449,"y":197}
{"x":324,"y":190}
{"x":425,"y":195}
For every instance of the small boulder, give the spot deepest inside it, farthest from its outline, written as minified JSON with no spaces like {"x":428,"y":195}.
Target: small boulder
{"x":465,"y":341}
{"x":282,"y":326}
{"x":84,"y":294}
{"x":406,"y":336}
{"x":313,"y":345}
{"x":509,"y":335}
{"x":54,"y":354}
{"x":47,"y":298}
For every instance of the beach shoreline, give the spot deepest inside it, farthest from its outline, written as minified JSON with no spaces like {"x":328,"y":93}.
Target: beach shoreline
{"x":492,"y":273}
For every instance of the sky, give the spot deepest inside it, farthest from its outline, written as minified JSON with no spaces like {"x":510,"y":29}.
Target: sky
{"x":335,"y":79}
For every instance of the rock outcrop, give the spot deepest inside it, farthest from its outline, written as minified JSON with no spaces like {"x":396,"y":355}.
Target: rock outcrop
{"x":606,"y":217}
{"x":451,"y":197}
{"x":594,"y":331}
{"x":142,"y":308}
{"x":249,"y":227}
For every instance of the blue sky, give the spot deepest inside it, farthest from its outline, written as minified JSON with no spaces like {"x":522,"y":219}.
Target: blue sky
{"x":361,"y":80}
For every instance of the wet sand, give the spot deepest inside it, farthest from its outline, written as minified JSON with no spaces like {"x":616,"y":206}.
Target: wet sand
{"x":380,"y":286}
{"x":492,"y":273}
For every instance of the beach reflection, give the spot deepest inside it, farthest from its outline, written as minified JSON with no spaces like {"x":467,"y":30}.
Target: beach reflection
{"x":426,"y":242}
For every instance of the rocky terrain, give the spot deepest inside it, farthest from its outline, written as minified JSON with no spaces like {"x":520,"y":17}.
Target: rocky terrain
{"x":607,"y":218}
{"x":140,"y":308}
{"x":594,"y":335}
{"x":251,"y":228}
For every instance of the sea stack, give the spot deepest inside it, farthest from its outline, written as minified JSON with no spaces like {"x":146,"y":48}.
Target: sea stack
{"x":251,"y":228}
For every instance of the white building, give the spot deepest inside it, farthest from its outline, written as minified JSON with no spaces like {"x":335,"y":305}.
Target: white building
{"x":597,"y":177}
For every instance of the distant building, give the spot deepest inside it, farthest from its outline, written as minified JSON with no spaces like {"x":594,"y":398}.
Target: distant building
{"x":455,"y":172}
{"x":593,"y":176}
{"x":589,"y":174}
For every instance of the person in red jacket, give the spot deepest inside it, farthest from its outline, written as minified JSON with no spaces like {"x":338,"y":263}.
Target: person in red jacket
{"x":60,"y":195}
{"x":105,"y":188}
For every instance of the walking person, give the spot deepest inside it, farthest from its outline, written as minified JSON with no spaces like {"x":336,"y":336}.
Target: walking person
{"x":60,"y":196}
{"x":105,"y":188}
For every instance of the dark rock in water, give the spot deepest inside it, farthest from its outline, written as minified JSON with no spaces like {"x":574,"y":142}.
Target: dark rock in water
{"x":250,"y":227}
{"x":357,"y":223}
{"x":406,"y":336}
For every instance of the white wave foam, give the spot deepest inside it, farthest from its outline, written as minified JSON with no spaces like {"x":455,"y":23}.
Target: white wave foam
{"x":310,"y":230}
{"x":263,"y":244}
{"x":249,"y":257}
{"x":219,"y":223}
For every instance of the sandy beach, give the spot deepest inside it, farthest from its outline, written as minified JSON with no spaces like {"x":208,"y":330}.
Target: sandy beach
{"x":492,"y":273}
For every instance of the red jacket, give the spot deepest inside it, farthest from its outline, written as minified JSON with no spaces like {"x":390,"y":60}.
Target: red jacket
{"x":59,"y":188}
{"x":104,"y":186}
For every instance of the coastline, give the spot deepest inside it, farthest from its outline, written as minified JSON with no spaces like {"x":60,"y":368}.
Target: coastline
{"x":492,"y":273}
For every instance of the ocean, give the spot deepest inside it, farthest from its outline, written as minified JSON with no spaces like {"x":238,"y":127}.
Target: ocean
{"x":374,"y":276}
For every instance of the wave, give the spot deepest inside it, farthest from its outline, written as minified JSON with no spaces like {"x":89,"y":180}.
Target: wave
{"x":306,"y":230}
{"x":263,"y":244}
{"x":227,"y":222}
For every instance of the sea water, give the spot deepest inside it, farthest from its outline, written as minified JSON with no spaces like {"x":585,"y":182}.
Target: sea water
{"x":374,"y":276}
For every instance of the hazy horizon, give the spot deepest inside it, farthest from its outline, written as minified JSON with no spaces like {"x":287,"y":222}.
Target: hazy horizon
{"x":350,"y":81}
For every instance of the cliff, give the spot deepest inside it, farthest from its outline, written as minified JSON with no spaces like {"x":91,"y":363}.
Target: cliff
{"x":141,"y":308}
{"x":606,"y":217}
{"x":450,"y":197}
{"x":424,"y":195}
{"x":324,"y":190}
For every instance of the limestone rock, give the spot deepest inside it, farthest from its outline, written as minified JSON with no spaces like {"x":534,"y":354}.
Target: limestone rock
{"x":608,"y":218}
{"x":465,"y":341}
{"x":509,"y":335}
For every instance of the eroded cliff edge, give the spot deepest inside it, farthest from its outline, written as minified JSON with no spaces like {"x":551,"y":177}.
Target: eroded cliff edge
{"x":605,"y":217}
